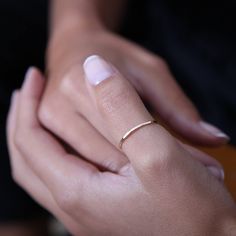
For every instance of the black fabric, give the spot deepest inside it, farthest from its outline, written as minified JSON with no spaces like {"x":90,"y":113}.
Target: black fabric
{"x":22,"y":44}
{"x":197,"y":39}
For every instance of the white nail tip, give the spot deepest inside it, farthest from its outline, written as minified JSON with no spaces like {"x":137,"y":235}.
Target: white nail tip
{"x":213,"y":130}
{"x":97,"y":69}
{"x":90,"y":58}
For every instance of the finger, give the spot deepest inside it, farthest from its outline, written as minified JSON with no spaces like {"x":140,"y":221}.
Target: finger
{"x":21,"y":173}
{"x":40,"y":193}
{"x":81,"y":136}
{"x":159,"y":88}
{"x":42,"y":153}
{"x":25,"y":177}
{"x":11,"y":122}
{"x":201,"y":156}
{"x":122,"y":109}
{"x":211,"y":164}
{"x":78,"y":95}
{"x":74,"y":88}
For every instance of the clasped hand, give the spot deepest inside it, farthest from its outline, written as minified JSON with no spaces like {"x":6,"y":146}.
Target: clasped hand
{"x":155,"y":186}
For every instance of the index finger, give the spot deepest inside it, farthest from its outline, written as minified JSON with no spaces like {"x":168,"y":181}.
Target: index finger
{"x":47,"y":158}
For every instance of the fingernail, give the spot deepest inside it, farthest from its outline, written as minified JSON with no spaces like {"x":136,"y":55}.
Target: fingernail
{"x":28,"y":75}
{"x":217,"y":172}
{"x":13,"y":96}
{"x":213,"y":130}
{"x":97,"y":70}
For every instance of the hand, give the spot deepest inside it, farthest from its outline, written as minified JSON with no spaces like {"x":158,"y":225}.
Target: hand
{"x":163,"y":189}
{"x":66,"y":97}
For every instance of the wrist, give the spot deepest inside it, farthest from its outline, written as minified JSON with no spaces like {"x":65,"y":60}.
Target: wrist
{"x":67,"y":38}
{"x":76,"y":23}
{"x":73,"y":14}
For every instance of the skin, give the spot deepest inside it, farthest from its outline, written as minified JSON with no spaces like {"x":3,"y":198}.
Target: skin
{"x":79,"y":29}
{"x":163,"y":188}
{"x":73,"y":27}
{"x":62,"y":15}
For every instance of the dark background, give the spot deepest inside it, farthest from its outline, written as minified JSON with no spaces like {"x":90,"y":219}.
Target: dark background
{"x":22,"y":44}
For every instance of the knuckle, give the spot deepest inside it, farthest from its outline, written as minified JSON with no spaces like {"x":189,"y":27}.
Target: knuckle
{"x":45,"y":114}
{"x":50,"y":117}
{"x":160,"y":160}
{"x":154,"y":163}
{"x":161,"y":63}
{"x":72,"y":82}
{"x":19,"y":139}
{"x":113,"y":96}
{"x":67,"y":199}
{"x":67,"y":84}
{"x":21,"y":144}
{"x":112,"y":164}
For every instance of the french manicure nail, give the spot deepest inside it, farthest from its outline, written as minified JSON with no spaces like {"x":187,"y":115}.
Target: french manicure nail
{"x":213,"y":130}
{"x":217,"y":172}
{"x":97,"y":70}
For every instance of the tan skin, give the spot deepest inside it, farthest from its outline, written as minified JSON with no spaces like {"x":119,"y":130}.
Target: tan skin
{"x":60,"y":10}
{"x":75,"y":26}
{"x":163,"y":189}
{"x":79,"y":29}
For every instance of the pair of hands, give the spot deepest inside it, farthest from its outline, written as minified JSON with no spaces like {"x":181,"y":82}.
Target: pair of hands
{"x":148,"y":74}
{"x":66,"y":96}
{"x":156,"y":186}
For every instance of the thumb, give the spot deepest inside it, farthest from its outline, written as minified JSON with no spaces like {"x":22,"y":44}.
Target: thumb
{"x":150,"y":146}
{"x":122,"y":109}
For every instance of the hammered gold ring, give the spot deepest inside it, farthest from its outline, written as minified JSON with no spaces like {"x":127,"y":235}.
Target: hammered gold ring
{"x":133,"y":130}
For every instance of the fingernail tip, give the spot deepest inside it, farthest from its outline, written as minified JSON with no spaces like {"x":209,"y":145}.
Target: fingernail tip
{"x":97,"y":69}
{"x":213,"y":130}
{"x":30,"y":69}
{"x":13,"y":96}
{"x":29,"y":72}
{"x":90,"y":58}
{"x":224,"y":136}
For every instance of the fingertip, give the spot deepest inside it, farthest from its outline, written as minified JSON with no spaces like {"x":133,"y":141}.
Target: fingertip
{"x":14,"y":99}
{"x":199,"y":132}
{"x":217,"y":172}
{"x":214,"y":131}
{"x":208,"y":135}
{"x":31,"y":92}
{"x":33,"y":83}
{"x":11,"y":119}
{"x":13,"y":96}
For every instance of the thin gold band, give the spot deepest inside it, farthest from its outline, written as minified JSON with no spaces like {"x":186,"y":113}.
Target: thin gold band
{"x":133,"y":130}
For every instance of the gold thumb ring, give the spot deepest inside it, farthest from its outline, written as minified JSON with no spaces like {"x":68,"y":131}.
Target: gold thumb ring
{"x":133,"y":130}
